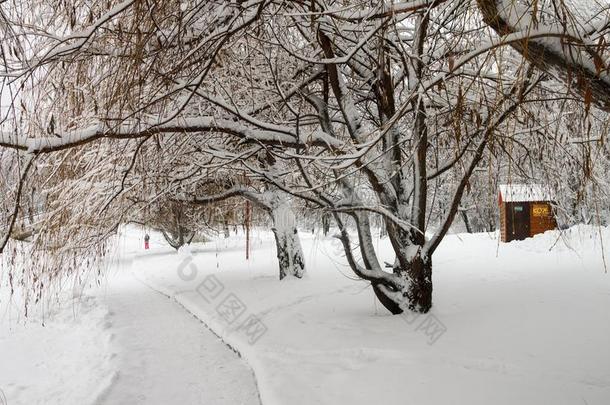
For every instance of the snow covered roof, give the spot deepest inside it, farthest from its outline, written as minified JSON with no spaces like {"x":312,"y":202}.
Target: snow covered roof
{"x":524,"y":192}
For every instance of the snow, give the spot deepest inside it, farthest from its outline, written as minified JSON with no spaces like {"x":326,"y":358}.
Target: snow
{"x":183,"y":363}
{"x":512,"y":323}
{"x":525,"y":192}
{"x":63,"y":359}
{"x":122,"y":343}
{"x":524,"y":322}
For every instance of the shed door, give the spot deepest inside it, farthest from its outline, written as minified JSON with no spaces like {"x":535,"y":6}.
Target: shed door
{"x":520,"y":218}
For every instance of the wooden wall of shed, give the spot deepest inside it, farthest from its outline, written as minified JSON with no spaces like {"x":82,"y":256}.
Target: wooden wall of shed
{"x":540,"y":224}
{"x":503,"y":228}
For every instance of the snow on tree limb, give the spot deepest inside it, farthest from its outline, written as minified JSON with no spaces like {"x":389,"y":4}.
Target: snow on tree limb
{"x":237,"y":191}
{"x":567,"y":51}
{"x":74,"y":138}
{"x":348,"y":13}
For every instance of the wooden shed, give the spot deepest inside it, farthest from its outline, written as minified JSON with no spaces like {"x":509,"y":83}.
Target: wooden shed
{"x":525,"y":210}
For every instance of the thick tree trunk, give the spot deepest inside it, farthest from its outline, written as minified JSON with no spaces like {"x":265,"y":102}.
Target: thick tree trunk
{"x":416,"y":292}
{"x":289,"y":252}
{"x":419,"y":292}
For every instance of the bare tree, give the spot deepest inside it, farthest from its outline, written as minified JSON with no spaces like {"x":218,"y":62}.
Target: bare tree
{"x":378,"y":109}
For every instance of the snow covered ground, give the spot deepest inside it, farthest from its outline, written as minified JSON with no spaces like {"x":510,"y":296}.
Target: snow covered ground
{"x":64,"y":359}
{"x":525,"y":322}
{"x":122,"y":343}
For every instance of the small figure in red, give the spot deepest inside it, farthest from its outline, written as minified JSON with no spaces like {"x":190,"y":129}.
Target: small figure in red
{"x":146,"y":240}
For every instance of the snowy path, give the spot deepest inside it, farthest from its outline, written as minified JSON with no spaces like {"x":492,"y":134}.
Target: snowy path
{"x":165,"y":355}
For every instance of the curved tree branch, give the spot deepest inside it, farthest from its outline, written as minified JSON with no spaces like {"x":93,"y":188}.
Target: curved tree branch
{"x":570,"y":55}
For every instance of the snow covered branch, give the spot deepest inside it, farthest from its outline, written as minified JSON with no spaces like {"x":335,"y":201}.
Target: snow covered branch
{"x":567,"y":51}
{"x":73,"y":138}
{"x":230,"y":193}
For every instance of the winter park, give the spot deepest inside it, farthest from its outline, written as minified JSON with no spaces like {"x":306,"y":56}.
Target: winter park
{"x":276,"y":202}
